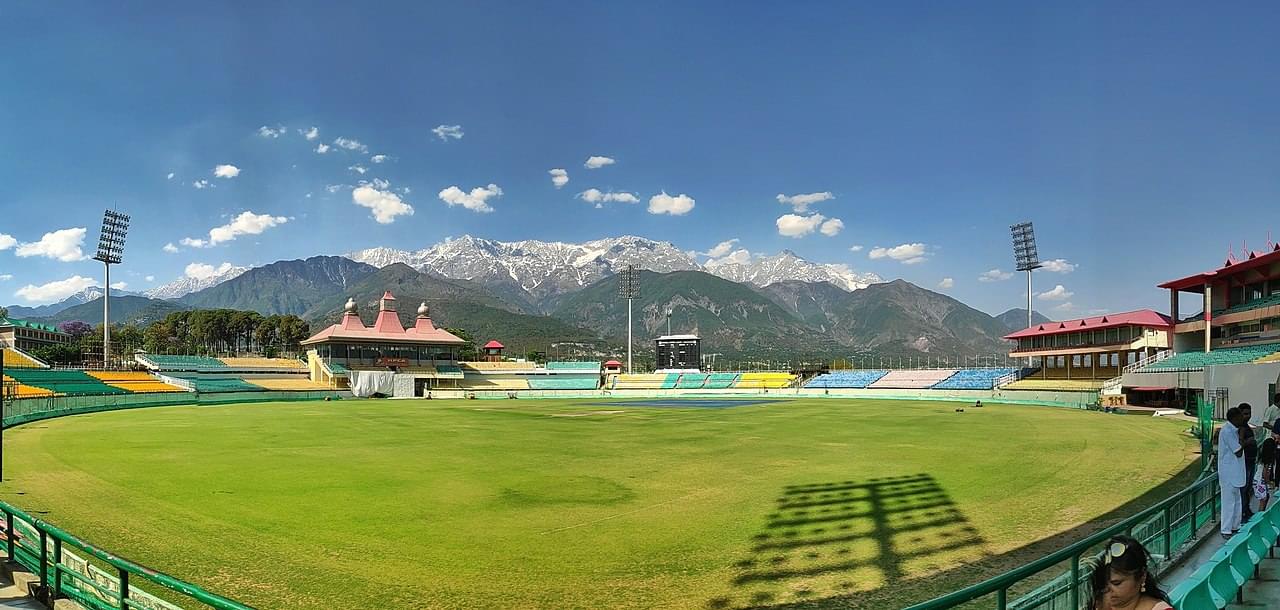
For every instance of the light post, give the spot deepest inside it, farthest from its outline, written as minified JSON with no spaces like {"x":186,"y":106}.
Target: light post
{"x":110,"y":250}
{"x":1026,"y":258}
{"x":629,"y":289}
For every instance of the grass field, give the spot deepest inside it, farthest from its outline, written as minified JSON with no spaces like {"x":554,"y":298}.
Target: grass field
{"x":581,"y":504}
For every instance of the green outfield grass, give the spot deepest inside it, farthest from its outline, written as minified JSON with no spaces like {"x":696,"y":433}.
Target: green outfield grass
{"x":578,"y":504}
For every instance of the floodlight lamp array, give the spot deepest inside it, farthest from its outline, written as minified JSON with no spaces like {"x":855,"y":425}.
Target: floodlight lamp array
{"x":629,"y":283}
{"x":1025,"y":255}
{"x":115,"y":226}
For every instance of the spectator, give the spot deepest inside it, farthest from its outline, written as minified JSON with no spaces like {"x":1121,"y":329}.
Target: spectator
{"x":1249,"y":443}
{"x":1267,"y":464}
{"x":1230,"y":473}
{"x":1271,"y":413}
{"x":1123,"y":579}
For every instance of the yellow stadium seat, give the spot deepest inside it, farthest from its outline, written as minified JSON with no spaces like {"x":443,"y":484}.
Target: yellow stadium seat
{"x":272,"y":363}
{"x":287,"y":384}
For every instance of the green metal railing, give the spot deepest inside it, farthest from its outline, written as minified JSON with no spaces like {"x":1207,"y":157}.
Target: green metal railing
{"x":47,"y":551}
{"x":1165,"y":529}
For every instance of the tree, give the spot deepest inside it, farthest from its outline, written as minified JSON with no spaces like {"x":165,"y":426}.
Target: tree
{"x":4,"y":312}
{"x":76,"y":328}
{"x":467,"y":351}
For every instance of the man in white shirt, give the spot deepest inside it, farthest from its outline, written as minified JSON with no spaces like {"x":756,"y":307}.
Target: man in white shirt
{"x":1271,"y":414}
{"x":1230,"y":472}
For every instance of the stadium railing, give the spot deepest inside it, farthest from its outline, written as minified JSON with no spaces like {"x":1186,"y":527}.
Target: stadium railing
{"x":46,"y":551}
{"x":1166,"y":529}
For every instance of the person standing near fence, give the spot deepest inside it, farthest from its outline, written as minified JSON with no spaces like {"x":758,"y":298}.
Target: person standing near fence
{"x":1230,"y":473}
{"x":1249,"y":443}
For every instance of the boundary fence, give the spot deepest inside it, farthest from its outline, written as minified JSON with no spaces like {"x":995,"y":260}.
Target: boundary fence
{"x":1168,"y":529}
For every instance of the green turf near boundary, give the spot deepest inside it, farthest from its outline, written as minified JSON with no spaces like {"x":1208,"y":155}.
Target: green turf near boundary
{"x":483,"y":504}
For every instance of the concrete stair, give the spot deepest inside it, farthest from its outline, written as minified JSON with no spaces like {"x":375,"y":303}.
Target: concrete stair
{"x":14,"y":584}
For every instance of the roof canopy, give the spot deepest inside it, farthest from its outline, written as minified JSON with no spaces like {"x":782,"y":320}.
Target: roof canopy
{"x":1195,"y":283}
{"x":1142,"y":317}
{"x":32,"y":325}
{"x":386,"y":328}
{"x":494,"y":345}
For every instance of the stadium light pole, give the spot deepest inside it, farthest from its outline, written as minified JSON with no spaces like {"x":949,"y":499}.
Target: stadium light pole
{"x":1025,"y":258}
{"x":629,"y":289}
{"x":110,"y":251}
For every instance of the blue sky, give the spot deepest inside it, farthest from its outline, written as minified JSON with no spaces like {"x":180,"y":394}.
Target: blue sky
{"x":1142,"y":140}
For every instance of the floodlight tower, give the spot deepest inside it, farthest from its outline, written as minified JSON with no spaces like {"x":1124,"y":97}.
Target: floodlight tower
{"x":629,"y":289}
{"x":110,"y":251}
{"x":1025,"y":258}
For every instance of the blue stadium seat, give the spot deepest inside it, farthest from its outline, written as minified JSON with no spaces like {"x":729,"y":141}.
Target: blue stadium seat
{"x":846,"y":379}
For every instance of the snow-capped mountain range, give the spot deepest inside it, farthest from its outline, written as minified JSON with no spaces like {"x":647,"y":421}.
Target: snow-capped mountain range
{"x":187,"y":284}
{"x":548,"y":268}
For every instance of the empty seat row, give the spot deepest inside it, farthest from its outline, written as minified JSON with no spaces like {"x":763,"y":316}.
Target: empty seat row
{"x":165,"y":362}
{"x":973,"y":379}
{"x":1194,"y":361}
{"x":574,"y":366}
{"x":1221,"y":580}
{"x":846,"y":379}
{"x":263,"y":363}
{"x":70,"y":383}
{"x":554,"y":382}
{"x":765,"y":380}
{"x":912,"y":379}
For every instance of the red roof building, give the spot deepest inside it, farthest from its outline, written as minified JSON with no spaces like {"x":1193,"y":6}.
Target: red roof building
{"x":1094,"y":348}
{"x":1239,"y":303}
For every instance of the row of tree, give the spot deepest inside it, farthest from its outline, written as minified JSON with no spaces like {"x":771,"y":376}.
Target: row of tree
{"x":198,"y":332}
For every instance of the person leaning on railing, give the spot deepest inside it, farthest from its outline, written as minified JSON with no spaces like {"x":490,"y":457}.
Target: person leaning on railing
{"x":1123,"y":580}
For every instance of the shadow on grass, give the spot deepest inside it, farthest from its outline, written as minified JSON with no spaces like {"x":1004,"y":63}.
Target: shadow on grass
{"x":896,"y":591}
{"x":833,"y":536}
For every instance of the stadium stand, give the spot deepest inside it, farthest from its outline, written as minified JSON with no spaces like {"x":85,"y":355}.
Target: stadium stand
{"x":70,"y":383}
{"x":264,"y":363}
{"x":289,"y":384}
{"x":765,"y":380}
{"x":449,"y":371}
{"x":1246,"y":306}
{"x":912,"y":378}
{"x":1069,"y":385}
{"x":641,"y":381}
{"x":1195,"y":361}
{"x":720,"y":381}
{"x":498,"y":366}
{"x":593,"y":367}
{"x":1272,"y":358}
{"x":17,"y":359}
{"x":217,"y":384}
{"x":162,"y":362}
{"x":973,"y":379}
{"x":563,"y":383}
{"x":133,"y":381}
{"x":691,"y":381}
{"x":490,"y":383}
{"x":21,"y":390}
{"x":846,"y":379}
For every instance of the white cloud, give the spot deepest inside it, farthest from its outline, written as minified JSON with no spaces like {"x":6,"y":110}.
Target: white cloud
{"x":597,"y":162}
{"x":832,"y":228}
{"x":722,"y":248}
{"x":596,"y":196}
{"x":1059,"y":265}
{"x":444,"y":132}
{"x":406,"y":190}
{"x":53,"y":291}
{"x":7,"y":241}
{"x":203,"y":271}
{"x":333,"y":188}
{"x":359,"y":169}
{"x":310,"y":134}
{"x":1059,"y":293}
{"x":202,"y":184}
{"x":794,"y":225}
{"x":322,"y":148}
{"x":169,"y":177}
{"x":225,"y":171}
{"x":247,"y":223}
{"x":4,"y":277}
{"x":855,"y":248}
{"x":946,"y":283}
{"x":63,"y":245}
{"x":995,"y":275}
{"x":559,"y":177}
{"x":738,"y":257}
{"x":170,"y":248}
{"x":379,"y":158}
{"x":349,"y":144}
{"x":386,"y":205}
{"x":476,"y":201}
{"x":271,"y":132}
{"x":381,"y":184}
{"x":677,"y":205}
{"x":907,"y":254}
{"x":150,"y":278}
{"x":801,"y":202}
{"x":120,"y":285}
{"x":1065,"y":307}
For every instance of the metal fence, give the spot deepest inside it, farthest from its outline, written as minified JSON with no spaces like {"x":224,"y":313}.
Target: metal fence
{"x":1060,"y":580}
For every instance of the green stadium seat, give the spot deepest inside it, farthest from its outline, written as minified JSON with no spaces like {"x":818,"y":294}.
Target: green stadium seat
{"x":574,"y":366}
{"x":553,"y":382}
{"x":1223,"y":579}
{"x":183,"y":363}
{"x":720,"y":381}
{"x":691,"y":381}
{"x":1195,"y":592}
{"x":71,"y":383}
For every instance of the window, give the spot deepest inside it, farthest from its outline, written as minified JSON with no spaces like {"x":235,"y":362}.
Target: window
{"x":1088,"y":360}
{"x":1075,"y":361}
{"x":1115,"y":359}
{"x":1132,"y":357}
